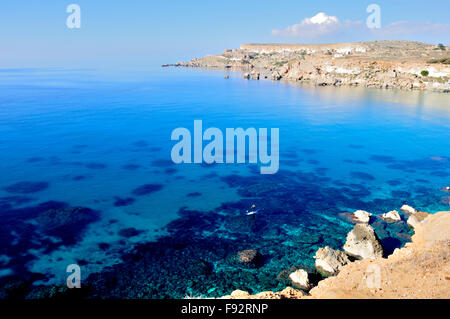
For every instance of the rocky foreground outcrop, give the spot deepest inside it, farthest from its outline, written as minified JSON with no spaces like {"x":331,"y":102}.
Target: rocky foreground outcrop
{"x":379,"y":64}
{"x":421,"y":269}
{"x":362,"y":242}
{"x":288,"y":293}
{"x":415,"y":219}
{"x":300,"y":279}
{"x":330,"y":261}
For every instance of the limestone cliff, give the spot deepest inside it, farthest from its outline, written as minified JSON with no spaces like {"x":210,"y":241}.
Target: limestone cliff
{"x":380,"y":64}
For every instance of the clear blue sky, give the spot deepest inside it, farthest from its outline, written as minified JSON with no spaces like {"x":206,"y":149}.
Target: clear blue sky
{"x":33,"y":33}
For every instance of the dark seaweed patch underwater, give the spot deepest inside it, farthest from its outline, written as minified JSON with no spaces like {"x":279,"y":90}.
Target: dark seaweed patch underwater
{"x":45,"y":228}
{"x":26,"y":187}
{"x":92,"y":183}
{"x":197,"y":254}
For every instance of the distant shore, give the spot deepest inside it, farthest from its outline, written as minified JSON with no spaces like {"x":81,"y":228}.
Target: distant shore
{"x":381,"y":64}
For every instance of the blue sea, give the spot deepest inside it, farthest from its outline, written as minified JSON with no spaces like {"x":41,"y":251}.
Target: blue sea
{"x":86,"y":178}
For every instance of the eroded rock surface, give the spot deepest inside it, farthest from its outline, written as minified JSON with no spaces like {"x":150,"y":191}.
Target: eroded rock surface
{"x":300,"y":279}
{"x":362,"y":242}
{"x":329,"y":261}
{"x":392,"y":216}
{"x":361,"y":216}
{"x":419,"y":270}
{"x":408,"y":209}
{"x":416,"y":219}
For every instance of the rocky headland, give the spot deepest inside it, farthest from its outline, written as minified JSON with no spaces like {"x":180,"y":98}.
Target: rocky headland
{"x":421,"y":269}
{"x":379,"y":64}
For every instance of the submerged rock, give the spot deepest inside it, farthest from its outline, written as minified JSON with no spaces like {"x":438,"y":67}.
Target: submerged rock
{"x":408,"y":209}
{"x":392,"y":216}
{"x":330,"y":261}
{"x":416,"y":219}
{"x":300,"y":279}
{"x":129,"y":232}
{"x":147,"y":189}
{"x":361,"y":216}
{"x":26,"y":187}
{"x":63,"y":222}
{"x":248,"y":256}
{"x":308,"y":239}
{"x":362,"y":242}
{"x":445,"y":200}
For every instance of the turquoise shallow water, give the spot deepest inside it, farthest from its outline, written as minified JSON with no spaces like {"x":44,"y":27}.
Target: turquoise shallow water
{"x":101,"y":140}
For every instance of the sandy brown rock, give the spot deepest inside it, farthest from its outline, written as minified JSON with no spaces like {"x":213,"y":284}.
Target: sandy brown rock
{"x":419,"y":270}
{"x":416,"y":219}
{"x":288,"y":293}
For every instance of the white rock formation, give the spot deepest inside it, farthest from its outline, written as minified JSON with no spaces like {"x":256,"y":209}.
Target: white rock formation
{"x":408,"y":209}
{"x":362,"y":216}
{"x":329,"y":261}
{"x":300,"y":279}
{"x":392,"y":216}
{"x":362,"y":243}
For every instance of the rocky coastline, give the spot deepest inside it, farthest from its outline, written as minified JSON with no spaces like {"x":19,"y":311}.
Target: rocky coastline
{"x":380,"y":64}
{"x":421,"y":269}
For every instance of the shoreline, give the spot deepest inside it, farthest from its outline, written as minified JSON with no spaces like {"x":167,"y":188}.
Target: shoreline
{"x":381,"y":64}
{"x":420,"y":269}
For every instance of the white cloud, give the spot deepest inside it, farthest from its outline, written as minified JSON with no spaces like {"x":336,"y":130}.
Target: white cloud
{"x":321,"y":18}
{"x":319,"y":25}
{"x":325,"y":27}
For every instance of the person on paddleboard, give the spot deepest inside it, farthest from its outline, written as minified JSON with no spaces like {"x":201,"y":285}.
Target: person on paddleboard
{"x":252,"y":212}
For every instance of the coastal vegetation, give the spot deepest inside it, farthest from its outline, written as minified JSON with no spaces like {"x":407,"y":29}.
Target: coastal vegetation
{"x":441,"y":60}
